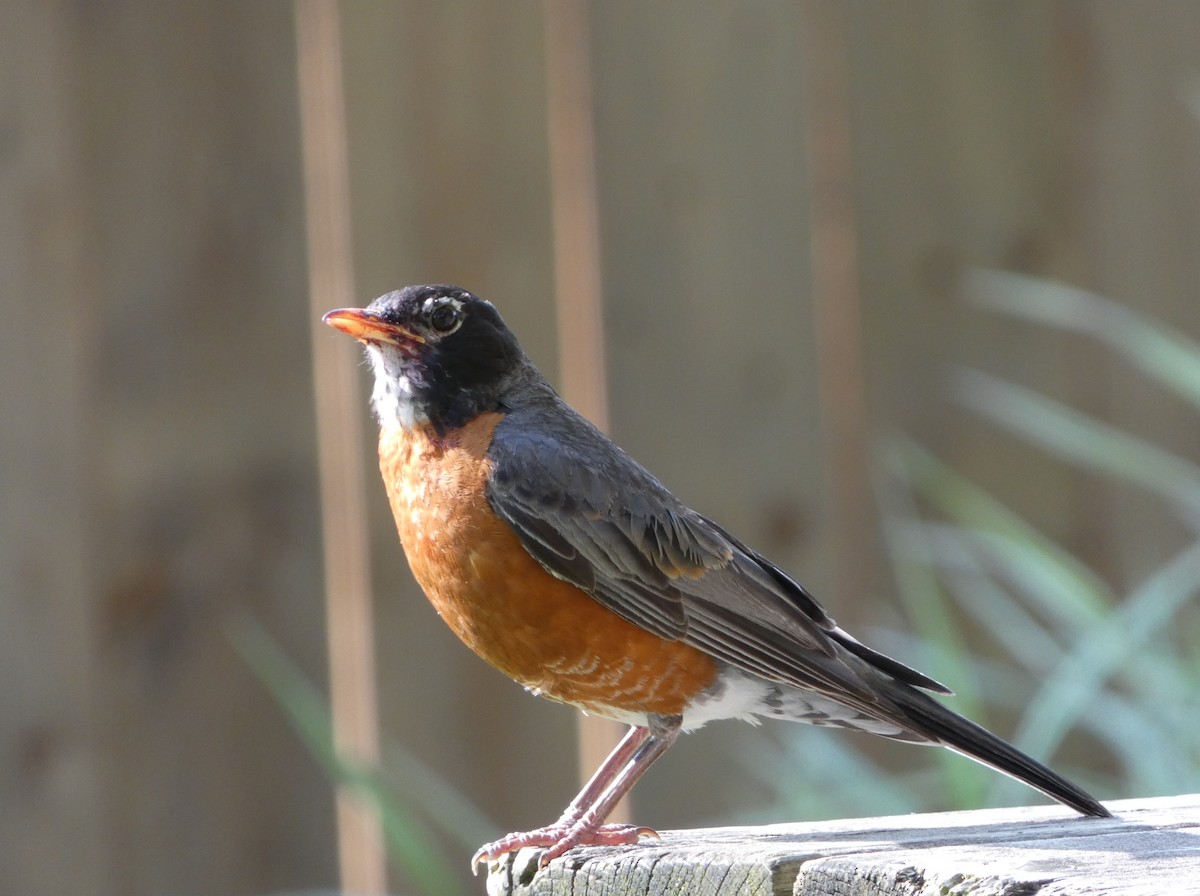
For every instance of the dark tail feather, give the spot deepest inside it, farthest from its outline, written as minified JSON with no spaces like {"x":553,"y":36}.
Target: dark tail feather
{"x":964,"y":736}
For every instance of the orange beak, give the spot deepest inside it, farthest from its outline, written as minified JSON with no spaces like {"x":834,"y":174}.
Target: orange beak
{"x":367,"y":326}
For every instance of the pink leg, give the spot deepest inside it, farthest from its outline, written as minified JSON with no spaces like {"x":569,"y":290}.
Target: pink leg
{"x":583,"y":821}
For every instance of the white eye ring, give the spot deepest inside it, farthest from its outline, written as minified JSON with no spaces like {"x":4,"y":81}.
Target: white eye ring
{"x":444,"y":316}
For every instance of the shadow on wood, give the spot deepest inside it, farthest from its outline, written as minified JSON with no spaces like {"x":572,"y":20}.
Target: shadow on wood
{"x":1151,"y":846}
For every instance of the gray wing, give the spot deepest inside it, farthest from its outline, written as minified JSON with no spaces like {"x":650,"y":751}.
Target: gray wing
{"x":594,"y":517}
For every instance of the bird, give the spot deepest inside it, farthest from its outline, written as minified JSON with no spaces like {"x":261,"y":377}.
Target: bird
{"x":565,"y":564}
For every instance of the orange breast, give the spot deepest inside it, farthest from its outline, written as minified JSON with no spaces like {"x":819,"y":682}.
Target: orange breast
{"x":544,"y":633}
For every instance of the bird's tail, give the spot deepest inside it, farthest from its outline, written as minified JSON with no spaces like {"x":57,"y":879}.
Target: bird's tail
{"x":963,"y":736}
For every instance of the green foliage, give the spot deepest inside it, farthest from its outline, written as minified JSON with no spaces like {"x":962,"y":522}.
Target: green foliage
{"x":410,"y":797}
{"x":1120,"y":669}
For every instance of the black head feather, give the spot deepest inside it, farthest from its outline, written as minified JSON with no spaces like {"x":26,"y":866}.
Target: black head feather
{"x":457,"y":361}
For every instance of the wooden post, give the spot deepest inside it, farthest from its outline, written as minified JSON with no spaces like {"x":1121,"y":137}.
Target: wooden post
{"x":1151,"y":846}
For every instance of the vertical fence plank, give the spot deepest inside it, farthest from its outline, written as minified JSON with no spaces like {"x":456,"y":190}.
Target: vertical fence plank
{"x":835,"y":297}
{"x":52,"y":835}
{"x":577,"y":283}
{"x":339,"y":439}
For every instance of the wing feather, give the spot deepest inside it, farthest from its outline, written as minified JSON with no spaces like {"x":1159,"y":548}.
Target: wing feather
{"x":648,"y":557}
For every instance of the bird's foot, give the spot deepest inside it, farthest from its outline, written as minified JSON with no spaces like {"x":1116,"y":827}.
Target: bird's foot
{"x":561,"y":837}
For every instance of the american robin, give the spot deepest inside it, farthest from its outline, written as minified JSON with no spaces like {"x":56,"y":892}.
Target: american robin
{"x":565,"y":564}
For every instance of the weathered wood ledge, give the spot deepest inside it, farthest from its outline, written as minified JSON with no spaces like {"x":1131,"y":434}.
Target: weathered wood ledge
{"x":1152,"y":846}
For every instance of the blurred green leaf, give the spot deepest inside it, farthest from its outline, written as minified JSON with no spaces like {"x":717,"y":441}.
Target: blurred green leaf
{"x":944,"y":652}
{"x":911,"y":555}
{"x":1067,"y":692}
{"x":1165,"y":355}
{"x":1019,"y":633}
{"x":1126,"y":671}
{"x":1082,"y":439}
{"x":1046,"y":584}
{"x":974,"y":510}
{"x":444,"y":803}
{"x":306,"y":709}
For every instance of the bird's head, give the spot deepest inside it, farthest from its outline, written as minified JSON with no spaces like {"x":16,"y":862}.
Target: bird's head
{"x":440,"y":354}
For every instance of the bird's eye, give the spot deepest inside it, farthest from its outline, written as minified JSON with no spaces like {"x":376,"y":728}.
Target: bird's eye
{"x":444,"y":318}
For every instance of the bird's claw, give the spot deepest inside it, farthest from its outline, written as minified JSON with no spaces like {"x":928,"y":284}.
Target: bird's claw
{"x":557,"y":839}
